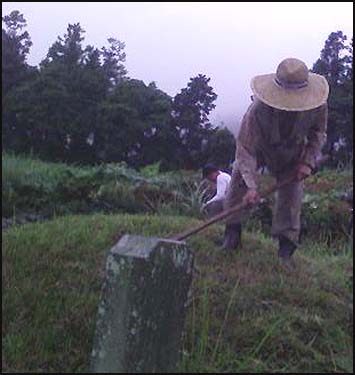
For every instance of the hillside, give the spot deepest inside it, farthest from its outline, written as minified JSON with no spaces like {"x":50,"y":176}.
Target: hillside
{"x":245,"y":314}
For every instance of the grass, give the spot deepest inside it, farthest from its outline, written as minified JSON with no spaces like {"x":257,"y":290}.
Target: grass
{"x":272,"y":322}
{"x":245,"y":313}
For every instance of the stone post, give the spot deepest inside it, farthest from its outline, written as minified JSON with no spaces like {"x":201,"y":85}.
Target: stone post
{"x":143,"y":306}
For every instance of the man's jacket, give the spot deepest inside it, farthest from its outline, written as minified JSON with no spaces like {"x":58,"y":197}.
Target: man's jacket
{"x":279,"y":140}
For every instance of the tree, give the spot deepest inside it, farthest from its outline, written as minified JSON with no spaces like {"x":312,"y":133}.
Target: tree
{"x":220,"y":148}
{"x":191,"y":108}
{"x":113,"y":57}
{"x":16,"y":45}
{"x":136,"y":125}
{"x":347,"y":106}
{"x":335,"y":63}
{"x":58,"y":111}
{"x":15,"y":48}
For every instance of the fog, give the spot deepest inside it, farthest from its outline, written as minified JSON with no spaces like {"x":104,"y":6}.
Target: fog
{"x":171,"y":42}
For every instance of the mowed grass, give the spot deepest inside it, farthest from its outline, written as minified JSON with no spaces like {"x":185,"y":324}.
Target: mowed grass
{"x":245,"y":314}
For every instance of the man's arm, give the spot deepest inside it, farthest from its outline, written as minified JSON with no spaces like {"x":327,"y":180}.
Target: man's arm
{"x":246,"y":155}
{"x":246,"y":149}
{"x":316,"y":137}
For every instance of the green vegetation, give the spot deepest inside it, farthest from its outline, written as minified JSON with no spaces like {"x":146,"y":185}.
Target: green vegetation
{"x":51,"y":189}
{"x":245,"y":313}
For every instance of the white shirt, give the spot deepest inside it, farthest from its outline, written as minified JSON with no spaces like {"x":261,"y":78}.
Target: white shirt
{"x":223,"y":180}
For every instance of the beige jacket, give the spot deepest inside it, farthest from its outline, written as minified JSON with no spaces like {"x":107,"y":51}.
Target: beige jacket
{"x":278,"y":140}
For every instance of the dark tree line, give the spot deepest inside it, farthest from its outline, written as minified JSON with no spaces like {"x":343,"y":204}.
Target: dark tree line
{"x":80,"y":106}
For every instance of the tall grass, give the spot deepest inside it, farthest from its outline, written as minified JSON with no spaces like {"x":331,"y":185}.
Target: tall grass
{"x":51,"y":188}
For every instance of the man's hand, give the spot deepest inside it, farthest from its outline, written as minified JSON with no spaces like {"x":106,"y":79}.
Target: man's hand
{"x":251,"y":197}
{"x":303,"y":171}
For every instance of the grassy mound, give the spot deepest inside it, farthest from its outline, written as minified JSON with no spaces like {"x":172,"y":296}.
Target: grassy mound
{"x":245,"y":314}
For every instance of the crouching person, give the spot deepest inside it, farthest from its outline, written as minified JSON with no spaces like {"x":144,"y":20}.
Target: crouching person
{"x":283,"y":129}
{"x":221,"y":180}
{"x":216,"y":205}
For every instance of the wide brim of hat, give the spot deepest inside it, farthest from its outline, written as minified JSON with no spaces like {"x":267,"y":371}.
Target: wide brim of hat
{"x":312,"y":96}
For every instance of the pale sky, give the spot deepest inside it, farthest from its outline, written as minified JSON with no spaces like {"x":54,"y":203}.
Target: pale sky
{"x":171,"y":42}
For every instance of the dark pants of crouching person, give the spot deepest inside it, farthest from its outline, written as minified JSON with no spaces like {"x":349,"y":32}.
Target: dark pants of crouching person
{"x":233,"y":229}
{"x":214,"y":208}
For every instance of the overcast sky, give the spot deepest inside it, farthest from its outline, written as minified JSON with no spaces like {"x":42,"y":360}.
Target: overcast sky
{"x":171,"y":42}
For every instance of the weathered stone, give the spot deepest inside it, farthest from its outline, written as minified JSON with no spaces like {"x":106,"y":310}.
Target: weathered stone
{"x":143,"y":306}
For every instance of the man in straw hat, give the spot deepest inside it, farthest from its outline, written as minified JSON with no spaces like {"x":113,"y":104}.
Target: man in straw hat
{"x":283,"y":129}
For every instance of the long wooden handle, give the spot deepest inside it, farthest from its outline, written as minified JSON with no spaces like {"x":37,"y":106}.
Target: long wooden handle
{"x":230,"y":211}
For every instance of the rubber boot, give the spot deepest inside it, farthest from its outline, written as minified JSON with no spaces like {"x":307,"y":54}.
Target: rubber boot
{"x":232,"y":237}
{"x":286,"y":250}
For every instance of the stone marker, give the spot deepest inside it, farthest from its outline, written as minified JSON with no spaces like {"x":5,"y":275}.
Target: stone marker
{"x":143,"y":306}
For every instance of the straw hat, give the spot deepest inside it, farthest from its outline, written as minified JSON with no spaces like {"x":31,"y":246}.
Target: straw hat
{"x":292,"y":88}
